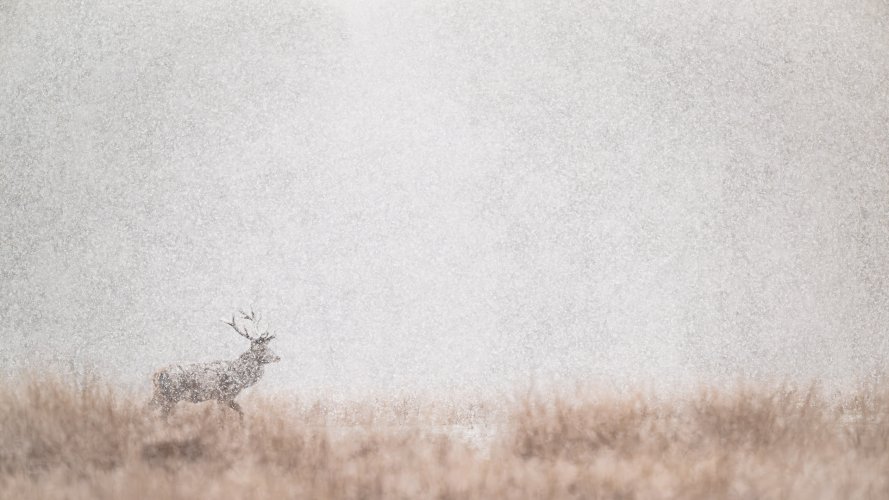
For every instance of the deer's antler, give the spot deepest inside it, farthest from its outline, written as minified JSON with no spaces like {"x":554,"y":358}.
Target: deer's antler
{"x":235,"y":326}
{"x":252,"y":316}
{"x":255,"y":319}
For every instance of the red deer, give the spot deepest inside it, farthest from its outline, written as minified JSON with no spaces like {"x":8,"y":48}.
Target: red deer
{"x":218,"y":380}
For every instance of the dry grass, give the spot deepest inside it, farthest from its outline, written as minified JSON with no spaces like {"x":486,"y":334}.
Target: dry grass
{"x":88,"y":440}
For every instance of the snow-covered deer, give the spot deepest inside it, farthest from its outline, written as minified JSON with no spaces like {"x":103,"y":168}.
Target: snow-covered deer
{"x":218,"y":380}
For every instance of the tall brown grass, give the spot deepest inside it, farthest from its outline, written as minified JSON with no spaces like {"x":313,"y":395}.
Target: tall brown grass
{"x":86,"y":439}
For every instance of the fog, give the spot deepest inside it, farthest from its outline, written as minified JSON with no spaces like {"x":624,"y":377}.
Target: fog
{"x":451,"y":195}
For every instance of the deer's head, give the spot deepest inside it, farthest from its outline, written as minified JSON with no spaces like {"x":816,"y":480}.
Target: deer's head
{"x":259,"y":344}
{"x":262,"y":352}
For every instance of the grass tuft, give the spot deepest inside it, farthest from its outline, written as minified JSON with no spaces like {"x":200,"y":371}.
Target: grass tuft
{"x":87,"y":439}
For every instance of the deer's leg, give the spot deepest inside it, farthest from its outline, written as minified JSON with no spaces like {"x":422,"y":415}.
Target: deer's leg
{"x":160,"y":403}
{"x":157,"y":397}
{"x":167,"y":408}
{"x":223,"y":405}
{"x":235,"y":406}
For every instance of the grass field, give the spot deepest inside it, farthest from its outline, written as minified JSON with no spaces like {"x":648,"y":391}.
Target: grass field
{"x":87,"y":439}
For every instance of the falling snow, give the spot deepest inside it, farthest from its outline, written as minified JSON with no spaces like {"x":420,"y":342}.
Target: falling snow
{"x":455,"y":194}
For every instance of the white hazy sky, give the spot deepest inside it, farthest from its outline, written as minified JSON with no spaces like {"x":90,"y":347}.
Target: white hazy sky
{"x":451,"y":194}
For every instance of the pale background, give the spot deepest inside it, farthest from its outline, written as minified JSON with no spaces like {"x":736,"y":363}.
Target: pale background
{"x":452,"y":194}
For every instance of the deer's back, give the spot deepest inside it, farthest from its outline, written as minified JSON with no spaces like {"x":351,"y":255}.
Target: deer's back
{"x":194,"y":382}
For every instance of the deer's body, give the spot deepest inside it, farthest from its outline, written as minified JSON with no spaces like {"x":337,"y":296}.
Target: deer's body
{"x":219,"y":380}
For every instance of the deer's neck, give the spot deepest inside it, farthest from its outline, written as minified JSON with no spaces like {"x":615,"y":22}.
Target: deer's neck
{"x":248,"y":368}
